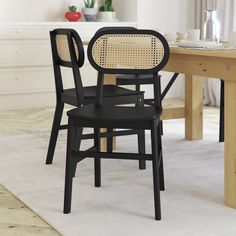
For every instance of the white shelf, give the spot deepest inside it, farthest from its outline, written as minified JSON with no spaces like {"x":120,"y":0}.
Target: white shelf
{"x":96,"y":23}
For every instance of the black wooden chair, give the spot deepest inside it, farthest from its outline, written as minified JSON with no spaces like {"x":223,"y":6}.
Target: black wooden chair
{"x":126,"y":52}
{"x":222,"y":108}
{"x":141,"y":136}
{"x":68,"y":51}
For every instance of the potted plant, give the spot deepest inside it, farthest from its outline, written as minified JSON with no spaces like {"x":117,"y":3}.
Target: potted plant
{"x":90,"y":12}
{"x":107,"y":12}
{"x":72,"y":14}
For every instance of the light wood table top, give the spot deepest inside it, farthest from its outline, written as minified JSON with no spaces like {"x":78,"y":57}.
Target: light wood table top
{"x":228,"y":53}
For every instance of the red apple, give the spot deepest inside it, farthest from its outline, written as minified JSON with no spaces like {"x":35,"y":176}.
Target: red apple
{"x":72,"y":16}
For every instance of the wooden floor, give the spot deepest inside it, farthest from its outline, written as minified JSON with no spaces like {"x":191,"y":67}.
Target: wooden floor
{"x":16,"y":219}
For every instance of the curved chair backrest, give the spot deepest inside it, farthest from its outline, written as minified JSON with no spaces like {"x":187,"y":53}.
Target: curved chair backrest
{"x":128,"y":52}
{"x":67,"y":51}
{"x":103,"y":29}
{"x":67,"y":47}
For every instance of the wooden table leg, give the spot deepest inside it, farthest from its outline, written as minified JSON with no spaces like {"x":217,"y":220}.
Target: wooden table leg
{"x":230,"y":144}
{"x":108,"y":79}
{"x":193,"y":107}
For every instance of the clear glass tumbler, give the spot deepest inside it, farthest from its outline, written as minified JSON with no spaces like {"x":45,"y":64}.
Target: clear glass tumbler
{"x":211,"y":29}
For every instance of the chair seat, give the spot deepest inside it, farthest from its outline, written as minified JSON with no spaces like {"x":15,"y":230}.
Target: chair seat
{"x":115,"y":116}
{"x":109,"y":91}
{"x":122,"y":76}
{"x":122,"y":79}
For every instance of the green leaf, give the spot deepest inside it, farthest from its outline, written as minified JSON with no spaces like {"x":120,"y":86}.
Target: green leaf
{"x":93,"y":3}
{"x":107,"y":6}
{"x":72,"y":8}
{"x":89,"y":3}
{"x":86,"y":4}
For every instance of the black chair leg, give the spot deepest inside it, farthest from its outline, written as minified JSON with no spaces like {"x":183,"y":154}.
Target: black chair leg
{"x":141,"y":149}
{"x":109,"y":142}
{"x":54,"y":132}
{"x":161,"y":127}
{"x":97,"y":161}
{"x":77,"y":143}
{"x":69,"y":170}
{"x":221,"y":131}
{"x":161,"y":168}
{"x":161,"y":173}
{"x":141,"y":134}
{"x":155,"y":167}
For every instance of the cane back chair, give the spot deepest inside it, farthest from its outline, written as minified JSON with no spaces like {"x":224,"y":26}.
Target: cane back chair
{"x":68,"y":51}
{"x":124,"y":79}
{"x":120,"y":52}
{"x":222,"y":108}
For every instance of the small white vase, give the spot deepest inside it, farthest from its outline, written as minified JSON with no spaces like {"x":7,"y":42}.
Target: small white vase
{"x":90,"y":14}
{"x":107,"y":16}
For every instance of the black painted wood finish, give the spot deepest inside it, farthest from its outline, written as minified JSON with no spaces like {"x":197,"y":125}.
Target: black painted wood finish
{"x":100,"y":115}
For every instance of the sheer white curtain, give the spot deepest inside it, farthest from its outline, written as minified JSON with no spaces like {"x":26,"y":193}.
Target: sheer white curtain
{"x":226,"y":12}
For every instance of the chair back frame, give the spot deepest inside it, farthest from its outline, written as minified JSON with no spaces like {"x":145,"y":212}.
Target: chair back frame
{"x":107,"y":28}
{"x":74,"y":48}
{"x":123,"y":70}
{"x":101,"y":70}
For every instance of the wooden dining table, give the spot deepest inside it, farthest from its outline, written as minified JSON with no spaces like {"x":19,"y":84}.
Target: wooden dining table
{"x":197,"y":64}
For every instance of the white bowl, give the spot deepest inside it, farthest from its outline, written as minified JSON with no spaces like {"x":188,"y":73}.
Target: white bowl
{"x":170,"y":37}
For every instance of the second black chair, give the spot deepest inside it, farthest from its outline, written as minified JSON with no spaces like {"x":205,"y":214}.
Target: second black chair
{"x":68,"y":51}
{"x":222,"y":108}
{"x":126,"y":52}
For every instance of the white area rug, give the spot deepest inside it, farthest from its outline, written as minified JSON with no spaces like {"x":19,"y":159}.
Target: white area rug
{"x":191,"y":205}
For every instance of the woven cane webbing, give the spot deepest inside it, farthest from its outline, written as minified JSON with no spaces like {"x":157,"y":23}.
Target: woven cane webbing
{"x":128,"y":51}
{"x":63,"y":48}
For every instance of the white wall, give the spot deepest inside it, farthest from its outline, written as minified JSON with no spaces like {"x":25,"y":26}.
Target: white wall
{"x":167,"y":16}
{"x":32,"y":10}
{"x":126,"y":10}
{"x":54,"y":10}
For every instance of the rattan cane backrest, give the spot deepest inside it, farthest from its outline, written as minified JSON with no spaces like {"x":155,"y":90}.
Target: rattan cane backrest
{"x":63,"y":48}
{"x":69,"y":47}
{"x":145,"y":51}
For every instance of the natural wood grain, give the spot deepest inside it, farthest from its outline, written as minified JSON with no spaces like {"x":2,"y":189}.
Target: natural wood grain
{"x":219,"y":64}
{"x":173,"y":113}
{"x":17,"y":219}
{"x":193,"y":107}
{"x":173,"y":108}
{"x":230,"y":144}
{"x":227,"y":53}
{"x":109,"y":79}
{"x":7,"y":229}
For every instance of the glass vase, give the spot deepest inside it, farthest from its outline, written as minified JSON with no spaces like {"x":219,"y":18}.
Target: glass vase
{"x":211,"y":29}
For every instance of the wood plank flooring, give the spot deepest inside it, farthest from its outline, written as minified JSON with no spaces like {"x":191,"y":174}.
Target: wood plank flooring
{"x":17,"y":219}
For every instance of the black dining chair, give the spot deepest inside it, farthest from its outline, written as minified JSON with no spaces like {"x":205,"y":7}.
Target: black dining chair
{"x":222,"y":108}
{"x":122,"y":80}
{"x":126,"y":52}
{"x":68,"y":51}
